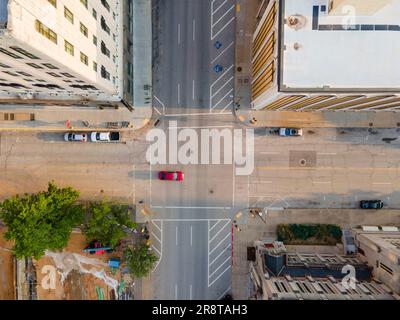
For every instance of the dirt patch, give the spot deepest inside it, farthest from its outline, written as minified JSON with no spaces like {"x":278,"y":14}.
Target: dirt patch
{"x":7,"y":274}
{"x":79,"y":275}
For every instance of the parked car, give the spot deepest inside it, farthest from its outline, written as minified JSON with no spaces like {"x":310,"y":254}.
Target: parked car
{"x":104,"y":136}
{"x":371,"y":204}
{"x":71,"y":136}
{"x":290,"y":132}
{"x":171,"y":175}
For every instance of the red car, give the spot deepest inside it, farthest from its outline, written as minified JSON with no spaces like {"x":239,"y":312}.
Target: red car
{"x":171,"y":175}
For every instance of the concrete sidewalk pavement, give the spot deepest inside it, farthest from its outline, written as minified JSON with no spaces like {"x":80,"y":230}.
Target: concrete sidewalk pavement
{"x":54,"y":118}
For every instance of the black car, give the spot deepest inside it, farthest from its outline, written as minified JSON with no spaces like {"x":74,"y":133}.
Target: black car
{"x":371,"y":204}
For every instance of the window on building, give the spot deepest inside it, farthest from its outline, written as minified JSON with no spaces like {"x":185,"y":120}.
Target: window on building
{"x":104,"y":73}
{"x":11,"y":73}
{"x":94,"y":14}
{"x":104,"y":49}
{"x":28,"y":80}
{"x":9,"y":53}
{"x":68,"y":15}
{"x":24,"y":74}
{"x":45,"y":31}
{"x":104,"y":25}
{"x":94,"y":40}
{"x":69,"y":47}
{"x":40,"y":80}
{"x":67,"y":75}
{"x":94,"y":66}
{"x":85,"y":3}
{"x":25,"y":53}
{"x":4,"y":65}
{"x":53,"y":74}
{"x":84,"y":29}
{"x":50,"y":66}
{"x":34,"y":65}
{"x":105,"y":5}
{"x":84,"y":59}
{"x":53,"y":2}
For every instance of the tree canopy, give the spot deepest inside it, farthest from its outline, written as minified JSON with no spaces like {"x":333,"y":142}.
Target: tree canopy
{"x":107,"y":222}
{"x":139,"y":260}
{"x":41,"y":221}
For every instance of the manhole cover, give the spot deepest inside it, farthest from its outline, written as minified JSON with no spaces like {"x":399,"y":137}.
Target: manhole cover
{"x":302,"y":159}
{"x":211,"y":191}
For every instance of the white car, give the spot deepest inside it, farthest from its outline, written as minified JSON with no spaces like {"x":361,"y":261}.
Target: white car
{"x":104,"y":136}
{"x":71,"y":136}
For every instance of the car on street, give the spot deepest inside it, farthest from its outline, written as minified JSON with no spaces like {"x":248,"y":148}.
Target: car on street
{"x":371,"y":204}
{"x":218,"y":68}
{"x":171,"y":175}
{"x":104,"y":136}
{"x":71,"y":136}
{"x":290,"y":132}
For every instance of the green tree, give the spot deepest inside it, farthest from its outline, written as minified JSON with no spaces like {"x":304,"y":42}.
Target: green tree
{"x":41,"y":221}
{"x":107,"y":222}
{"x":140,"y":260}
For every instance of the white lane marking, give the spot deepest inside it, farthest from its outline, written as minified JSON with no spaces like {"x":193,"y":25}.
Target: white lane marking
{"x":194,"y":30}
{"x":227,"y":82}
{"x":215,"y":224}
{"x":219,"y":231}
{"x":223,"y":16}
{"x":221,"y":253}
{"x":175,"y":220}
{"x":193,"y":90}
{"x":214,"y":11}
{"x":210,"y":284}
{"x":382,"y":183}
{"x":219,"y":243}
{"x":162,"y":104}
{"x":157,"y":110}
{"x":176,"y":291}
{"x":327,"y":153}
{"x":176,"y":235}
{"x":179,"y":93}
{"x":321,"y":182}
{"x":208,"y":249}
{"x":191,"y":235}
{"x":190,"y":292}
{"x":233,"y":18}
{"x":227,"y":259}
{"x":269,"y":152}
{"x":222,"y":99}
{"x":160,"y":253}
{"x":179,"y":33}
{"x":225,"y":292}
{"x":223,"y":51}
{"x":155,"y":224}
{"x":178,"y":207}
{"x":230,"y":102}
{"x":158,"y":239}
{"x":221,"y":76}
{"x":155,"y":249}
{"x":264,"y":181}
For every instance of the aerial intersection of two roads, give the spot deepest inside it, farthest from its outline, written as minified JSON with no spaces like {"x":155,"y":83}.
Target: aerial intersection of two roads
{"x":191,"y":221}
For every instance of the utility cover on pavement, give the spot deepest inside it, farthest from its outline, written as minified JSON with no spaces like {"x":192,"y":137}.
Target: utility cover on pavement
{"x":302,"y":159}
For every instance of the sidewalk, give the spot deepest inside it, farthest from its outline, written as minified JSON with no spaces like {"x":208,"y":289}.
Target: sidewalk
{"x":54,"y":118}
{"x":245,"y":28}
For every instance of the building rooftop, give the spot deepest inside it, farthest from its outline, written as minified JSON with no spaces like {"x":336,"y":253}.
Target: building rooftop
{"x":323,"y":54}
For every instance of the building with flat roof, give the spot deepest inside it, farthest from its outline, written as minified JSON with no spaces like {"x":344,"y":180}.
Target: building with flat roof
{"x":281,"y":275}
{"x":53,"y":49}
{"x":327,"y":55}
{"x":381,"y":249}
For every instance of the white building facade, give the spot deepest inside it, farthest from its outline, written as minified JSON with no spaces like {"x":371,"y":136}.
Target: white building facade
{"x":61,"y":49}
